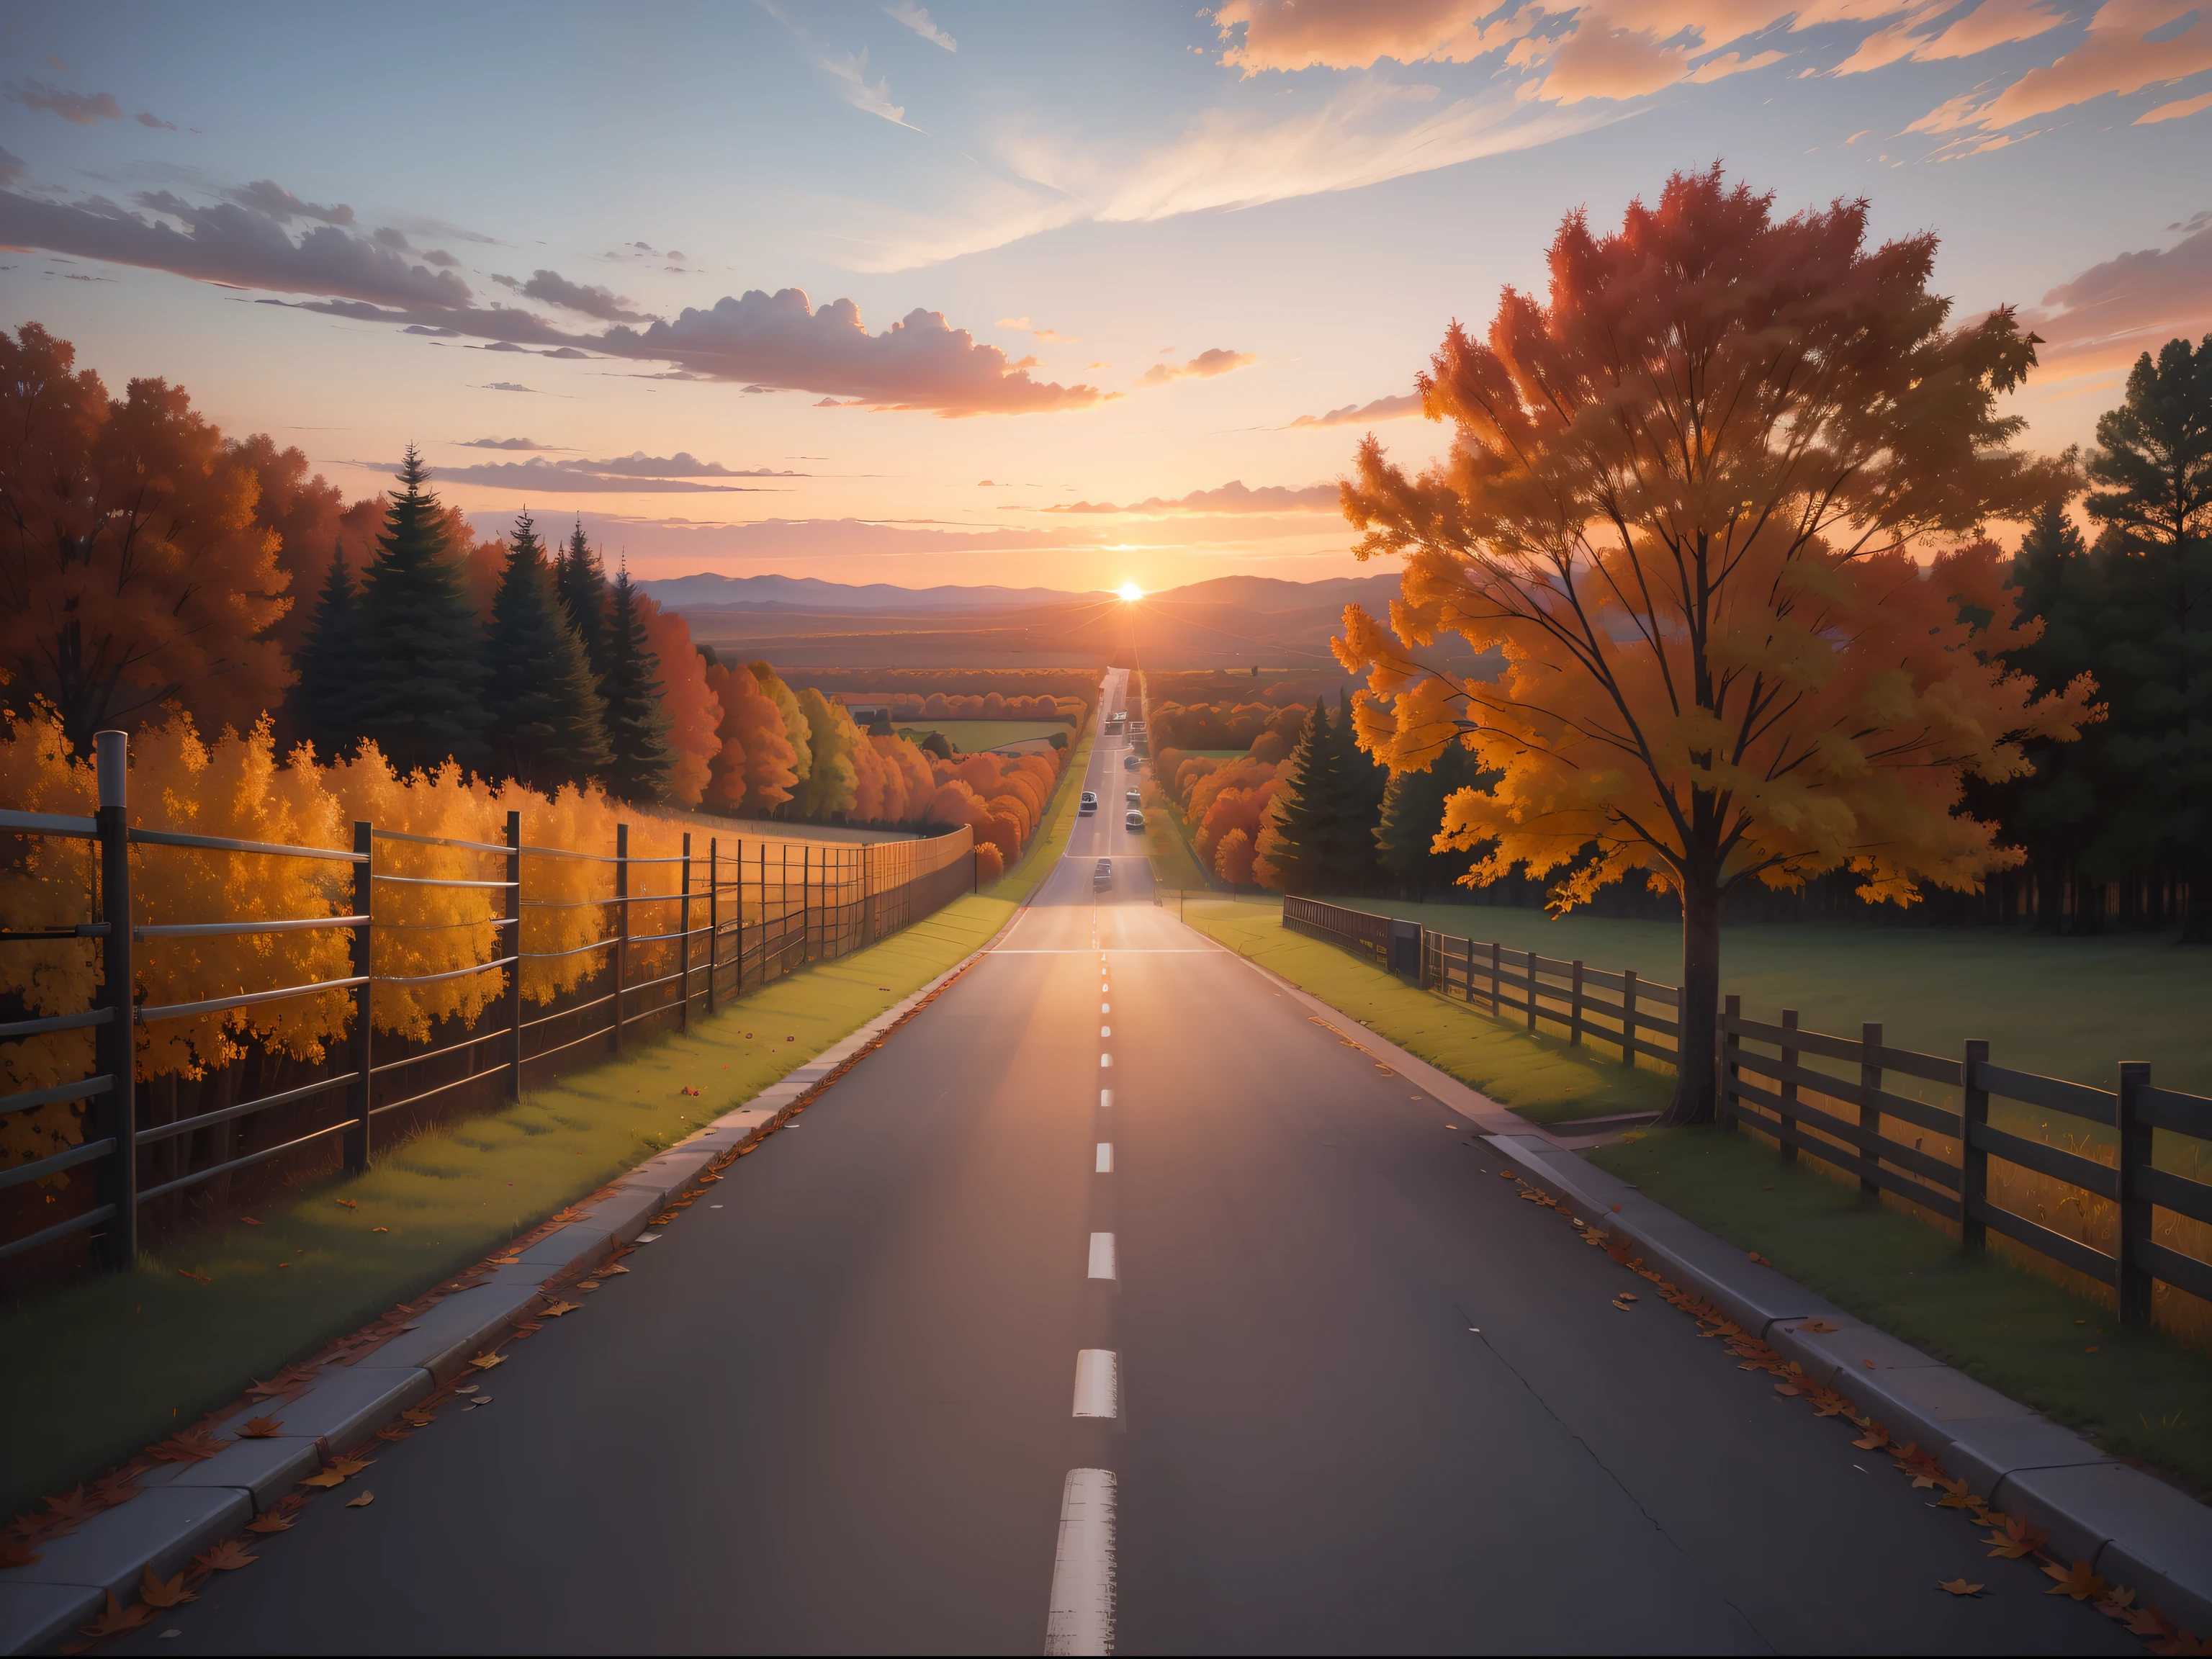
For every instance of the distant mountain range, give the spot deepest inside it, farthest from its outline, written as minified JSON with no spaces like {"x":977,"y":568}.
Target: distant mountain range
{"x":1226,"y":622}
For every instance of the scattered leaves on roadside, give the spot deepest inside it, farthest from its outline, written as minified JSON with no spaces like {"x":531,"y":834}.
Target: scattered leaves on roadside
{"x":559,"y":1308}
{"x":249,"y":1221}
{"x":1758,"y":1261}
{"x":484,"y":1362}
{"x":2013,"y":1538}
{"x":269,"y":1523}
{"x":349,"y":1203}
{"x":260,"y":1428}
{"x":1959,"y":1587}
{"x":587,"y":1284}
{"x":416,"y":1417}
{"x":338,"y":1472}
{"x":187,"y":1272}
{"x":361,"y":1502}
{"x":115,"y":1618}
{"x":1819,"y":1326}
{"x":159,"y":1592}
{"x":189,"y":1447}
{"x":612,"y":1268}
{"x":380,"y":1230}
{"x":17,"y":1552}
{"x":2078,"y":1581}
{"x":228,"y":1556}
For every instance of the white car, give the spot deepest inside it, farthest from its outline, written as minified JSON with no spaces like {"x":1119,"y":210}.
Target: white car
{"x":1133,"y":819}
{"x":1089,"y":802}
{"x":1135,"y":797}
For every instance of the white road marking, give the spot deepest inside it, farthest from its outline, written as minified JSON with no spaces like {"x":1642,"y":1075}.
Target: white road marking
{"x":1105,"y":1031}
{"x":1105,"y":1157}
{"x":1097,"y":1383}
{"x":1105,"y":1098}
{"x":1102,"y":1259}
{"x":1105,"y":1007}
{"x":1081,"y":1618}
{"x":1105,"y":1060}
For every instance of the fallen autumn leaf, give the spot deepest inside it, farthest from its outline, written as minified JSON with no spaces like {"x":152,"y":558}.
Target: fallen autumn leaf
{"x":159,"y":1592}
{"x":1960,"y":1587}
{"x":228,"y":1556}
{"x":361,"y":1502}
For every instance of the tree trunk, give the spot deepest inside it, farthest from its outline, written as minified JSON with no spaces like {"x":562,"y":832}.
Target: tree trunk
{"x":1697,"y":1018}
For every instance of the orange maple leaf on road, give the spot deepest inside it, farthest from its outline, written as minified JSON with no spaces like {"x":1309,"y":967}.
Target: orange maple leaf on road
{"x":158,"y":1592}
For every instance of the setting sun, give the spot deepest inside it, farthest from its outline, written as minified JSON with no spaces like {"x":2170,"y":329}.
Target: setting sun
{"x":1130,"y":591}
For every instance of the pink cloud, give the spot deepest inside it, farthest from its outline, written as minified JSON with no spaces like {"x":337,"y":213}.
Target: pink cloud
{"x":1916,"y":37}
{"x":72,"y":106}
{"x":1231,"y":497}
{"x":1382,"y":408}
{"x":2114,"y":312}
{"x":2118,"y":54}
{"x":1733,"y":62}
{"x":1279,"y":34}
{"x":2174,"y":111}
{"x":1596,"y":62}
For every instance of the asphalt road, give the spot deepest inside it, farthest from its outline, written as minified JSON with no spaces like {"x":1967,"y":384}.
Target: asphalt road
{"x":1367,"y":1400}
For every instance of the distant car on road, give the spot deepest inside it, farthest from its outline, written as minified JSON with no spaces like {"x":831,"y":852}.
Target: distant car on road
{"x":1103,"y":877}
{"x":1131,"y":762}
{"x":1133,"y":819}
{"x":1090,"y":803}
{"x":1135,"y":797}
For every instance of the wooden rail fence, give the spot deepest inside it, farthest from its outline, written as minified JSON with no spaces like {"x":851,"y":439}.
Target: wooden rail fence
{"x":1838,"y":1118}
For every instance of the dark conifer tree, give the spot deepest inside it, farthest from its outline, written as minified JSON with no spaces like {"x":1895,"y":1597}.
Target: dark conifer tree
{"x":1365,"y":783}
{"x":1303,"y":836}
{"x":544,"y":721}
{"x":583,"y":585}
{"x":637,"y":715}
{"x":421,"y":669}
{"x":326,"y":701}
{"x":2153,"y":461}
{"x":1413,"y":812}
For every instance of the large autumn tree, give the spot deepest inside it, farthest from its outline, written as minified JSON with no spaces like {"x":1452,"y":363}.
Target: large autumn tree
{"x":1716,"y":505}
{"x":133,"y":571}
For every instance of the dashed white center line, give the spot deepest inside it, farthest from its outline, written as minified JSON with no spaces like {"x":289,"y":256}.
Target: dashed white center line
{"x":1105,"y":1060}
{"x":1105,"y":1031}
{"x":1081,"y":1618}
{"x":1097,"y":1383}
{"x":1105,"y":1099}
{"x":1101,"y":1260}
{"x":1105,"y":1007}
{"x":1105,"y":1157}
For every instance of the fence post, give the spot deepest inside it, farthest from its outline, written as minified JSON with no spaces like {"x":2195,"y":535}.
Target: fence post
{"x":713,"y":914}
{"x":1496,"y":962}
{"x":1870,"y":1114}
{"x":514,"y":932}
{"x":115,"y":1114}
{"x":1575,"y":1007}
{"x":805,"y":904}
{"x":1787,"y":1090}
{"x":1731,"y":1011}
{"x":1973,"y":1161}
{"x":1532,"y":992}
{"x":622,"y":924}
{"x":683,"y":945}
{"x":1628,"y":1017}
{"x":364,"y":1000}
{"x":2135,"y":1208}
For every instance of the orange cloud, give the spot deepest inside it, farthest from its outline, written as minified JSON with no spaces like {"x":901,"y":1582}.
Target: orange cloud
{"x":2118,"y":54}
{"x":1204,"y":367}
{"x":2114,"y":312}
{"x":1279,"y":34}
{"x":1595,"y":61}
{"x":1382,"y":408}
{"x":1231,"y":497}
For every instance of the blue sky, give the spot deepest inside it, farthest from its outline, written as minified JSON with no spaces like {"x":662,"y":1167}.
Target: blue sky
{"x":1201,"y":228}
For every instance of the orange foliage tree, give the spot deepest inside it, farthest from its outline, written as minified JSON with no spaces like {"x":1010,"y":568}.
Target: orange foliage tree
{"x":695,"y":713}
{"x":132,"y":570}
{"x":1683,"y":505}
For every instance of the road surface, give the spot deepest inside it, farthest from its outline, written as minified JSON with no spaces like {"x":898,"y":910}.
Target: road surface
{"x":1355,"y":1397}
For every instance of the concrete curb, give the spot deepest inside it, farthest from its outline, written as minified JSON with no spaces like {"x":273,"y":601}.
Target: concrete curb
{"x":182,"y":1509}
{"x":2132,"y":1529}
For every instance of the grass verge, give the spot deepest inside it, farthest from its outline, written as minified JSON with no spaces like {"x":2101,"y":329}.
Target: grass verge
{"x":105,"y":1366}
{"x":1540,"y":1078}
{"x":2141,"y":1393}
{"x":1167,"y":841}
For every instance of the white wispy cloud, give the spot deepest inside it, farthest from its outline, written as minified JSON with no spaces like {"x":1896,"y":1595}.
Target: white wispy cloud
{"x":918,"y":20}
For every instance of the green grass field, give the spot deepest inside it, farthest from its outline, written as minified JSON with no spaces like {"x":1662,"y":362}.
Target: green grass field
{"x":1542,"y":1079}
{"x":2141,"y":1393}
{"x":969,"y":736}
{"x":123,"y":1359}
{"x":1167,"y":841}
{"x":2071,"y":1008}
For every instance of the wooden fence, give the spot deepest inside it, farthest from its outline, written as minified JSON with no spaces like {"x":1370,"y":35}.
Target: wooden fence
{"x":1839,"y":1118}
{"x":725,"y":919}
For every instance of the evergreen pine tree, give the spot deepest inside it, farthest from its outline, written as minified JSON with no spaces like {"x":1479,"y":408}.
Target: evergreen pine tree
{"x":1353,"y":860}
{"x":545,"y":722}
{"x":324,"y":700}
{"x":1413,"y":812}
{"x":583,"y":586}
{"x":420,"y":672}
{"x":1301,"y":838}
{"x":637,"y":717}
{"x":2153,"y":461}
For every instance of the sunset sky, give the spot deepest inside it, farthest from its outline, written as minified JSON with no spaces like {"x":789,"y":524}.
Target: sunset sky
{"x":1027,"y":294}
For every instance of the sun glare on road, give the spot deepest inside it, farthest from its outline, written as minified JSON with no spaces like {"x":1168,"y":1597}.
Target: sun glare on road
{"x":1130,"y":591}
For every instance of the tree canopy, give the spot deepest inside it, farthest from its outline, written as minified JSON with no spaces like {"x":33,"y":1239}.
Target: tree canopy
{"x":1686,"y":508}
{"x":421,"y":670}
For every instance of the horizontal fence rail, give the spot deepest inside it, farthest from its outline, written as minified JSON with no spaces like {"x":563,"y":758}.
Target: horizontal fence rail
{"x":709,"y":924}
{"x":1845,"y":1117}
